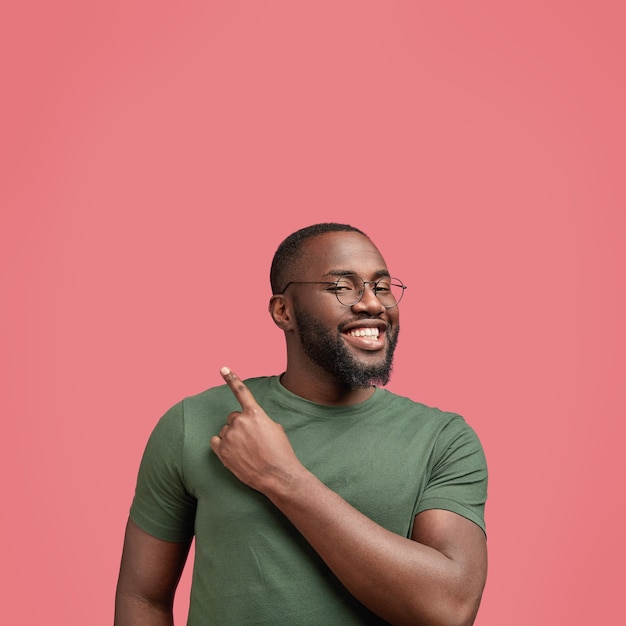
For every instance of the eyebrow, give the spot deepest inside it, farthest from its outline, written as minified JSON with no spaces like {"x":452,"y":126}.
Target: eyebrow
{"x":378,"y":274}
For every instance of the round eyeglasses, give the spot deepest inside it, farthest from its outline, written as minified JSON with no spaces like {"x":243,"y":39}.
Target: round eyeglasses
{"x":350,"y":289}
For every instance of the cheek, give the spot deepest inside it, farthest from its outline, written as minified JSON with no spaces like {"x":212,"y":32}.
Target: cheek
{"x":323,"y":310}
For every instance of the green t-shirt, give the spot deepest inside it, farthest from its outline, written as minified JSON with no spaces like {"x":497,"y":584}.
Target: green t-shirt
{"x":389,"y":457}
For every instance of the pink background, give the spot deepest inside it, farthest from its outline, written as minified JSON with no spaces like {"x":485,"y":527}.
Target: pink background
{"x":153,"y":151}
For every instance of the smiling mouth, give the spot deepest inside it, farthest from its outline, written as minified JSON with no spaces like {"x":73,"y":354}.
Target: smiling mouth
{"x":366,"y":338}
{"x":371,"y":333}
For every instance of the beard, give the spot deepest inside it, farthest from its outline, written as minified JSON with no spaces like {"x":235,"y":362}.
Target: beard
{"x":331,"y":354}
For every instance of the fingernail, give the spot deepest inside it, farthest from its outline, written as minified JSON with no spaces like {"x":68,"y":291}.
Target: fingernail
{"x":224,"y":371}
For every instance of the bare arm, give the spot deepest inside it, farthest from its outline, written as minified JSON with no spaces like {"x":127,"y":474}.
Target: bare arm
{"x":434,"y":578}
{"x":149,"y":575}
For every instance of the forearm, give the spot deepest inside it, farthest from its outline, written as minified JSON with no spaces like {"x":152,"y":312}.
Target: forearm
{"x":403,"y":581}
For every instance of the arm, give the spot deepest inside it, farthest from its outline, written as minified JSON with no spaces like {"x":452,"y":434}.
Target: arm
{"x":434,"y":578}
{"x":149,"y":575}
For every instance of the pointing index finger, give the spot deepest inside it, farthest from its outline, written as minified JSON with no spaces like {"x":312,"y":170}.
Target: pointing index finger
{"x":240,"y":391}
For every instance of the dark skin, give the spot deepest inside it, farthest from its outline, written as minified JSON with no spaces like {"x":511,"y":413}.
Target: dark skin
{"x":434,"y":578}
{"x":149,"y":575}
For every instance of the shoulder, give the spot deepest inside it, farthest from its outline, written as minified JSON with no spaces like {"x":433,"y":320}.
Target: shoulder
{"x":396,"y":404}
{"x":447,"y":430}
{"x":209,"y":407}
{"x":222,"y":394}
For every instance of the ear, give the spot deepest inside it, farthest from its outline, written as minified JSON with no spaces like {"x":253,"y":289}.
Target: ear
{"x":280,"y":310}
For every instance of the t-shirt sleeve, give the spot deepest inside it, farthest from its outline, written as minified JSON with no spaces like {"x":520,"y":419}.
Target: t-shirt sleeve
{"x":162,"y":506}
{"x":458,"y":479}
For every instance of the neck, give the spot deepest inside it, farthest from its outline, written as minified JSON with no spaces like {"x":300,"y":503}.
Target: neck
{"x":321,"y":388}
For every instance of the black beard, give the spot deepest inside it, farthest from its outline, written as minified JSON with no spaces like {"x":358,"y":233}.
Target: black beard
{"x":330,"y":353}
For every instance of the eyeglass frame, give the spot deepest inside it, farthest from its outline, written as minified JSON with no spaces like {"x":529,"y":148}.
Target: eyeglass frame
{"x":343,"y":276}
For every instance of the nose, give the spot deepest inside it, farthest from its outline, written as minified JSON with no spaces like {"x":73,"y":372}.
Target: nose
{"x":369,"y":303}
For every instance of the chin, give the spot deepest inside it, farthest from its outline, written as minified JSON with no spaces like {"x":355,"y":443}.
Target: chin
{"x":330,"y":352}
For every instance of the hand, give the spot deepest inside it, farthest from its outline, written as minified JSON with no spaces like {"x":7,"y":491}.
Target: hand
{"x":252,"y":446}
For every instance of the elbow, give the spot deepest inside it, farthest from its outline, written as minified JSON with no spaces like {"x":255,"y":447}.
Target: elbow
{"x":447,"y":611}
{"x":462,"y":616}
{"x":458,"y":611}
{"x":458,"y":603}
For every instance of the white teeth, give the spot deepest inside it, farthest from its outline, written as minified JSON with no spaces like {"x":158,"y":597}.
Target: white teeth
{"x":364,"y":332}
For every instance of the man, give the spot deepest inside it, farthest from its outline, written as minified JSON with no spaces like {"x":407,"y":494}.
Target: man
{"x":316,"y":497}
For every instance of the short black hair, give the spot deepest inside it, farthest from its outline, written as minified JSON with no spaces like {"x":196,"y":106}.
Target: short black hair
{"x":287,"y":253}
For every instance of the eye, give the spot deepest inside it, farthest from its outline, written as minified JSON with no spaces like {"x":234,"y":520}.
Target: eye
{"x":382,"y":287}
{"x":344,"y":285}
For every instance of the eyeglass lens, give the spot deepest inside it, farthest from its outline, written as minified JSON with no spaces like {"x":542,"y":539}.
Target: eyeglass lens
{"x":350,"y":290}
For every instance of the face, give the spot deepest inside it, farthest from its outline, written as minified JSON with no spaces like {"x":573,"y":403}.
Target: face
{"x":355,"y":344}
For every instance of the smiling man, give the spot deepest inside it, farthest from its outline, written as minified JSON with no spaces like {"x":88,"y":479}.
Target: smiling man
{"x":315,"y":497}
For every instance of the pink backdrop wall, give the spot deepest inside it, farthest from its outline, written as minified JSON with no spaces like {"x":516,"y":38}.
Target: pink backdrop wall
{"x":151,"y":151}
